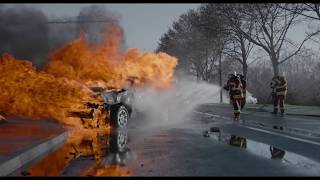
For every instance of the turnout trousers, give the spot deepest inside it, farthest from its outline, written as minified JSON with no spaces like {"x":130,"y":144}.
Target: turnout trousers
{"x":238,"y":105}
{"x":278,"y":100}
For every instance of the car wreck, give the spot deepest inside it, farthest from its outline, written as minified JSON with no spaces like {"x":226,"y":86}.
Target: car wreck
{"x":115,"y":110}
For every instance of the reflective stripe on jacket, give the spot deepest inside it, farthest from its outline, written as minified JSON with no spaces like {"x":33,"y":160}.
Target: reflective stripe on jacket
{"x":279,"y":86}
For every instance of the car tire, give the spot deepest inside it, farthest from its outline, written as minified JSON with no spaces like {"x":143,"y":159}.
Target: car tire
{"x":119,"y":116}
{"x":119,"y":141}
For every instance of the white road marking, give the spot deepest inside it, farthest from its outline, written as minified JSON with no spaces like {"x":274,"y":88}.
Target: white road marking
{"x":208,"y":114}
{"x":266,"y":131}
{"x":283,"y":135}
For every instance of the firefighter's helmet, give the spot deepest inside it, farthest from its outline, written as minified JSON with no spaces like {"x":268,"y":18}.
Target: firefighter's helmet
{"x":232,"y":76}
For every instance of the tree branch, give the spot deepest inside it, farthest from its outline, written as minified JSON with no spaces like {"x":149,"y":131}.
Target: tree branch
{"x":294,"y":53}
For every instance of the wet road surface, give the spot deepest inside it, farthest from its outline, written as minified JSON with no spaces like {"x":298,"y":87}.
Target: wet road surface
{"x":187,"y":150}
{"x":208,"y":143}
{"x":19,"y":134}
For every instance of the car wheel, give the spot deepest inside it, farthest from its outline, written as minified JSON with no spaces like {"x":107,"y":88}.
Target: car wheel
{"x":119,"y":116}
{"x":119,"y":141}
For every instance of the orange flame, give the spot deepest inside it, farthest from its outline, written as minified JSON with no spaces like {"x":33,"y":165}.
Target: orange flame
{"x":55,"y":163}
{"x":30,"y":93}
{"x":109,"y":170}
{"x":63,"y":84}
{"x":82,"y":62}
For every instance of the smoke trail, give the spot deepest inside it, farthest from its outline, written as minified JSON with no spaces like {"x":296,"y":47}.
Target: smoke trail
{"x":167,"y":108}
{"x":94,"y":31}
{"x":24,"y":33}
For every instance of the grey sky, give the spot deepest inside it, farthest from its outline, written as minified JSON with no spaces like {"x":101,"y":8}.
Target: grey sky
{"x":143,"y":23}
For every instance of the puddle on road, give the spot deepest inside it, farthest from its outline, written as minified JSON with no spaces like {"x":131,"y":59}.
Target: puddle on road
{"x":264,"y":150}
{"x":89,"y":153}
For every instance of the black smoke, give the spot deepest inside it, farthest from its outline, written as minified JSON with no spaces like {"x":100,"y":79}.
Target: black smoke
{"x":29,"y":34}
{"x":93,"y":21}
{"x":24,"y":33}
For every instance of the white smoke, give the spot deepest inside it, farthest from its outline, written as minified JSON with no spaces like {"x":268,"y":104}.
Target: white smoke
{"x":176,"y":105}
{"x":249,"y":98}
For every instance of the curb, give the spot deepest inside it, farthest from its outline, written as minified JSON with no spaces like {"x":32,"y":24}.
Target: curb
{"x":22,"y":159}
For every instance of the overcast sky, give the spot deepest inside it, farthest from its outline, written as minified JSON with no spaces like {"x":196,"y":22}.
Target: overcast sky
{"x":143,"y":23}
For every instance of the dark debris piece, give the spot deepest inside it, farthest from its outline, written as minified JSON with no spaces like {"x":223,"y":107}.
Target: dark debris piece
{"x":25,"y":173}
{"x":214,"y":129}
{"x":206,"y":134}
{"x":3,"y":120}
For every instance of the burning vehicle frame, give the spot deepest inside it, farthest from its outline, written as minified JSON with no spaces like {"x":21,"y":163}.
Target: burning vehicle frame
{"x":115,"y":110}
{"x":103,"y":148}
{"x":85,"y":155}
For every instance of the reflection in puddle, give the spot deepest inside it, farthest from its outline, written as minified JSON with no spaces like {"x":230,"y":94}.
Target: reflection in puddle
{"x":238,"y":141}
{"x":276,"y":153}
{"x":90,"y":153}
{"x":267,"y":151}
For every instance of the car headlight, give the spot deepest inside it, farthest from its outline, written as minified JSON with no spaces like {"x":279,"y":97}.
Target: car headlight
{"x":108,"y":99}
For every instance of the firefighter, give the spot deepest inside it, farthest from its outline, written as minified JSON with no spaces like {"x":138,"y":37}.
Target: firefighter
{"x":231,"y":78}
{"x":279,"y":92}
{"x":235,"y":88}
{"x":244,"y":85}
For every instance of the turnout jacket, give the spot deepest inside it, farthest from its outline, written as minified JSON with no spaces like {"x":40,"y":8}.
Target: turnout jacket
{"x":279,"y":85}
{"x":235,"y":88}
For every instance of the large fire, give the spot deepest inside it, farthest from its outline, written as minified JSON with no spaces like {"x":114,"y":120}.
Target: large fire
{"x":79,"y":142}
{"x":85,"y":144}
{"x":34,"y":94}
{"x":62,"y":85}
{"x":105,"y":63}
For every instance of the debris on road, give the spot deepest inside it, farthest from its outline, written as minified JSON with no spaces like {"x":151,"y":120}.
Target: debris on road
{"x":276,"y":127}
{"x":25,"y":173}
{"x":3,"y":120}
{"x":214,"y":129}
{"x":206,"y":134}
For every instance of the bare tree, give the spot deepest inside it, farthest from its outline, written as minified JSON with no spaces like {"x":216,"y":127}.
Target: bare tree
{"x":269,"y":24}
{"x":197,"y":40}
{"x":301,"y":72}
{"x":308,"y":10}
{"x":237,"y":46}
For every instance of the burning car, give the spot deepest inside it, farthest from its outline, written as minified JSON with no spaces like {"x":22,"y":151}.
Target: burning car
{"x":100,"y":152}
{"x":86,"y":154}
{"x":115,"y":110}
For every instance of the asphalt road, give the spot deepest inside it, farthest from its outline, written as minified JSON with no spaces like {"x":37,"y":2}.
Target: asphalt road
{"x":185,"y":148}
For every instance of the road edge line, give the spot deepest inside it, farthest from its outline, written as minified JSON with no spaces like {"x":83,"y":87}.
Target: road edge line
{"x":22,"y":159}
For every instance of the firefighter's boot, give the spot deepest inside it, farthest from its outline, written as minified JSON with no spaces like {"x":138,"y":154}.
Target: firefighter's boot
{"x":236,"y":116}
{"x":275,"y":111}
